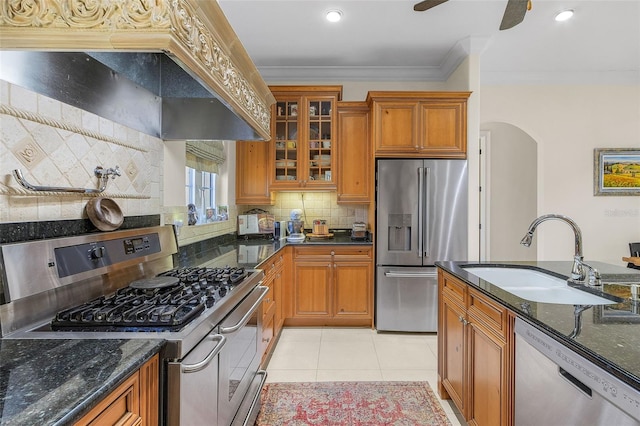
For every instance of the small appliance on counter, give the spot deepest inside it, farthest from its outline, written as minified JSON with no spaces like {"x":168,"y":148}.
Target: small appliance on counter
{"x":359,"y":231}
{"x":295,"y":227}
{"x":255,"y":223}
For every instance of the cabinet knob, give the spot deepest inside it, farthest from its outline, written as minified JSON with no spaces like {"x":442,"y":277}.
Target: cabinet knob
{"x":265,"y":340}
{"x":333,"y":253}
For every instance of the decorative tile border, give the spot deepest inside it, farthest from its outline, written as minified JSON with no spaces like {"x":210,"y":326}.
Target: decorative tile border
{"x":38,"y":118}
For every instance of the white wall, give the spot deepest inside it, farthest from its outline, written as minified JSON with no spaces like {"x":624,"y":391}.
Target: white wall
{"x":511,"y":191}
{"x":568,"y":122}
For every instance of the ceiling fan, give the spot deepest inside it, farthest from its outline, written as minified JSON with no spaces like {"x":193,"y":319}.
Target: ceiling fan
{"x":513,"y":14}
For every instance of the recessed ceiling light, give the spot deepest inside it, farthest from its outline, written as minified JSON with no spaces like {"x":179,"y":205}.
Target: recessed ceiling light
{"x":564,"y":15}
{"x":334,"y":15}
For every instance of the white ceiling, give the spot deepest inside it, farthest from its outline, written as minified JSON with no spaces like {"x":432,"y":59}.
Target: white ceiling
{"x":290,"y":40}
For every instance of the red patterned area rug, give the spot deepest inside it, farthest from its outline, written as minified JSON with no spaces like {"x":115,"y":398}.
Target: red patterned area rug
{"x":350,"y":404}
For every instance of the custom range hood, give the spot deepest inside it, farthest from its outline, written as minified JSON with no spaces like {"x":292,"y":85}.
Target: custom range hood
{"x":173,"y":69}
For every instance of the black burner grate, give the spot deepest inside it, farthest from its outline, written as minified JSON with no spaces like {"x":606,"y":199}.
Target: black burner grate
{"x":163,"y":308}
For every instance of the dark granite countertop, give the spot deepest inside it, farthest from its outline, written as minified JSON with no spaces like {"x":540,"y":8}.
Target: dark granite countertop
{"x":250,"y":253}
{"x":55,"y":382}
{"x":610,"y":334}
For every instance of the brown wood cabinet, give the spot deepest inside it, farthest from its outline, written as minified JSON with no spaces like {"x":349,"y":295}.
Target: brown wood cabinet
{"x":272,"y":303}
{"x":475,"y":353}
{"x":331,"y":285}
{"x":354,"y":156}
{"x":303,"y":142}
{"x":421,"y":124}
{"x":134,"y":402}
{"x":252,"y":173}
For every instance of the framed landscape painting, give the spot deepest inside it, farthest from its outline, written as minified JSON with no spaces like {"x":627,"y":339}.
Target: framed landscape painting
{"x":616,"y":171}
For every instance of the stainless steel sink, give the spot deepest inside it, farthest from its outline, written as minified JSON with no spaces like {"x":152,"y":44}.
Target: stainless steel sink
{"x":535,"y":285}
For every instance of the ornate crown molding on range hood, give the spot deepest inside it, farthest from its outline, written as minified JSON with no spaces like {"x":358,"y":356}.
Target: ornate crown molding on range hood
{"x":194,"y":34}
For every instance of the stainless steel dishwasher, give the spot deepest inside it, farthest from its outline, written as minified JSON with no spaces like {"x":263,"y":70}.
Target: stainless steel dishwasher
{"x":556,"y":387}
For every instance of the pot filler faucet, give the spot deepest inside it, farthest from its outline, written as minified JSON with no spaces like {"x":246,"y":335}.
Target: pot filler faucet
{"x":577,"y":271}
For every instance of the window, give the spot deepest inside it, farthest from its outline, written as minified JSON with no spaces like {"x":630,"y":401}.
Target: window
{"x":203,"y":161}
{"x":201,"y":195}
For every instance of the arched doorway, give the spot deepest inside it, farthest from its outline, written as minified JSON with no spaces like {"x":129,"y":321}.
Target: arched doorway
{"x":508,"y":198}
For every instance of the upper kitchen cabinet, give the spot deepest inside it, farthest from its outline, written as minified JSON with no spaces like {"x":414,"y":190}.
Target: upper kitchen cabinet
{"x":419,"y":124}
{"x":303,"y":142}
{"x":354,"y":155}
{"x":252,"y":173}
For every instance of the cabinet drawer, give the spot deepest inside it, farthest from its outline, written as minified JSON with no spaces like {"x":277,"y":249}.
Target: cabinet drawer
{"x":338,"y":252}
{"x":268,"y":303}
{"x":454,"y":289}
{"x":491,"y":314}
{"x":267,"y":332}
{"x":121,"y":407}
{"x":272,"y":265}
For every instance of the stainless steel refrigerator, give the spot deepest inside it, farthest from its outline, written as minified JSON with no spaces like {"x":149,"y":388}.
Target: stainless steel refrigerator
{"x":421,"y":217}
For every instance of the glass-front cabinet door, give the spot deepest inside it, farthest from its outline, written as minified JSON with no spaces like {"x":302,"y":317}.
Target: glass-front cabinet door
{"x":304,"y":129}
{"x":286,"y":141}
{"x":320,"y":137}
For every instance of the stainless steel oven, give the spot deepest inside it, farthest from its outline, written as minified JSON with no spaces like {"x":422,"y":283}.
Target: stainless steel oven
{"x":240,"y":360}
{"x":123,"y":285}
{"x":212,"y":381}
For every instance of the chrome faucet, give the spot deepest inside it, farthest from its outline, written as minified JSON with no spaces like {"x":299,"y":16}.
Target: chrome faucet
{"x":577,"y":271}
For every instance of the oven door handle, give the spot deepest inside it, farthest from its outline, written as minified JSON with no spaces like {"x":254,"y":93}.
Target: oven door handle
{"x":247,"y":316}
{"x":194,"y":368}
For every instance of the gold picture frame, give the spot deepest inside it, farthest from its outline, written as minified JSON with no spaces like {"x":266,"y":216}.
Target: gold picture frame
{"x":616,"y":171}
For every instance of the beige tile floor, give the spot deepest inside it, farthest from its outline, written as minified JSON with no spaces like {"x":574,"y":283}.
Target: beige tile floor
{"x":356,"y":354}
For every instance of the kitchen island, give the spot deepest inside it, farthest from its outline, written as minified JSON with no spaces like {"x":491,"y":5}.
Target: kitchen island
{"x":477,"y":345}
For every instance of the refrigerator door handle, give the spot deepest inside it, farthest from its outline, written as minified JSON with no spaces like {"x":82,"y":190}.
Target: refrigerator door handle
{"x":395,"y":274}
{"x":425,"y":218}
{"x":420,"y":209}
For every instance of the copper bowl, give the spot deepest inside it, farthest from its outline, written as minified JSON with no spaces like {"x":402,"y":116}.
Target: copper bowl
{"x":104,"y":213}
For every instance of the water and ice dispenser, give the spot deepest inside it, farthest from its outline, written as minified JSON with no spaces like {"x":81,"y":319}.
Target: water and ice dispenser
{"x":399,"y":232}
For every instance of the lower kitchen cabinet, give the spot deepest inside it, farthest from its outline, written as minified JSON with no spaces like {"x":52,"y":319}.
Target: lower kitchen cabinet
{"x":133,"y":403}
{"x":272,"y":303}
{"x":475,"y":353}
{"x":331,"y":285}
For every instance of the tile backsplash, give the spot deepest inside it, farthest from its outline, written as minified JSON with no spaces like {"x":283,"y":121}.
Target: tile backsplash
{"x":57,"y":145}
{"x":315,"y":205}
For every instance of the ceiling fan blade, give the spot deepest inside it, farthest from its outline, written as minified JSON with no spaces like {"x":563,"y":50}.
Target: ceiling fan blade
{"x":514,"y":13}
{"x":427,"y":4}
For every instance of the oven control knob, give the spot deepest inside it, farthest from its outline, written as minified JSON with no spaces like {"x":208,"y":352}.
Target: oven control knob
{"x":97,"y":253}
